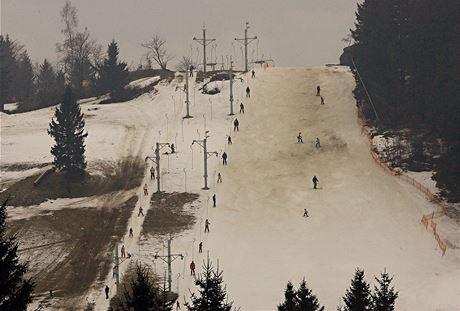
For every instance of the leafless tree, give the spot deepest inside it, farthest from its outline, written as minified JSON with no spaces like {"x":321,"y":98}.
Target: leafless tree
{"x":184,"y":63}
{"x":156,"y":49}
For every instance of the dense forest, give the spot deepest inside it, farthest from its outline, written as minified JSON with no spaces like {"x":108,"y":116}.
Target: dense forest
{"x":405,"y":56}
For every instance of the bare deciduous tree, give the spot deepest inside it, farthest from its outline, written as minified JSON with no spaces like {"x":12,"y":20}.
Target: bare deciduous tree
{"x":184,"y":63}
{"x":157,"y":51}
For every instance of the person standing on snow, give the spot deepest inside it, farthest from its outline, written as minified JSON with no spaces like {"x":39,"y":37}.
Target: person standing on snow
{"x":200,"y":247}
{"x":229,"y":140}
{"x":248,"y":92}
{"x":315,"y":182}
{"x":305,"y":212}
{"x":152,"y":173}
{"x":253,"y":73}
{"x":140,"y":212}
{"x":318,"y":143}
{"x":123,"y":254}
{"x":146,"y":190}
{"x":219,"y":178}
{"x":192,"y":268}
{"x":177,"y":305}
{"x":322,"y":100}
{"x":173,"y":149}
{"x":214,"y":200}
{"x":242,"y":108}
{"x":107,"y":289}
{"x":318,"y":90}
{"x":206,"y":225}
{"x":131,"y":232}
{"x":224,"y":158}
{"x":236,"y":124}
{"x":299,"y":138}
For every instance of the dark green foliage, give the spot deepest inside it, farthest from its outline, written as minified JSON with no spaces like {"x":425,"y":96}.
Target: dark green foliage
{"x":212,"y":293}
{"x":8,"y":68}
{"x":384,"y":296}
{"x":358,"y":296}
{"x":113,"y":75}
{"x":407,"y":54}
{"x":301,"y":300}
{"x":143,"y":293}
{"x":24,"y":82}
{"x":15,"y":289}
{"x":67,"y":129}
{"x":46,"y":86}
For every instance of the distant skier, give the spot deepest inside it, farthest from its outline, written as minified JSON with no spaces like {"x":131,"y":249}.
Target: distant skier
{"x":305,"y":212}
{"x":318,"y":90}
{"x":219,"y":178}
{"x":140,"y":212}
{"x":206,"y":225}
{"x":318,"y":143}
{"x":224,"y":158}
{"x":315,"y":182}
{"x":190,"y":69}
{"x":123,"y":253}
{"x":173,"y":149}
{"x":107,"y":289}
{"x":299,"y":138}
{"x":200,"y":247}
{"x":177,"y":305}
{"x":253,"y":73}
{"x":152,"y":173}
{"x":242,"y":108}
{"x":322,"y":100}
{"x":248,"y":92}
{"x":214,"y":200}
{"x":236,"y":124}
{"x":146,"y":190}
{"x":192,"y":268}
{"x":229,"y":140}
{"x":114,"y":271}
{"x":131,"y":232}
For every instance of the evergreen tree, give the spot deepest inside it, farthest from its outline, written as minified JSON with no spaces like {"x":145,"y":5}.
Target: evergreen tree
{"x":46,"y":86}
{"x":25,"y":78}
{"x":143,"y":293}
{"x":212,"y":293}
{"x":357,"y":297}
{"x":290,"y":299}
{"x":67,"y":129}
{"x":384,"y":296}
{"x":306,"y":300}
{"x":113,"y":75}
{"x":15,"y":289}
{"x":8,"y":65}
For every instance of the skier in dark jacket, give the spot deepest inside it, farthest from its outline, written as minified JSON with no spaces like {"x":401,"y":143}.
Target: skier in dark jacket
{"x":206,"y":225}
{"x":229,"y":140}
{"x":253,"y":73}
{"x":214,"y":200}
{"x":299,"y":138}
{"x":248,"y":92}
{"x":107,"y":289}
{"x":315,"y":182}
{"x":318,"y":90}
{"x":192,"y":268}
{"x":224,"y":158}
{"x":236,"y":124}
{"x":241,"y":108}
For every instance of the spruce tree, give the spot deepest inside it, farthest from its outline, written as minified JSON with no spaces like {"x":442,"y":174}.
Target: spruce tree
{"x":357,"y":297}
{"x":113,"y":75}
{"x":384,"y":296}
{"x":25,"y":78}
{"x":46,"y":85}
{"x":15,"y":289}
{"x":67,"y":129}
{"x":290,"y":299}
{"x":212,"y":293}
{"x":306,"y":300}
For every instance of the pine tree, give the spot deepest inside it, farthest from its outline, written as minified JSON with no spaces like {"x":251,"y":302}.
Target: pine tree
{"x":290,"y":299}
{"x":15,"y":289}
{"x":46,"y":86}
{"x":384,"y":296}
{"x":68,"y":132}
{"x":113,"y":75}
{"x":357,"y":297}
{"x":306,"y":300}
{"x":143,"y":293}
{"x":25,"y":78}
{"x":212,"y":293}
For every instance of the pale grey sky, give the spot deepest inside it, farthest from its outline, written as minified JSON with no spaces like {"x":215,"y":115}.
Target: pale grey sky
{"x":292,"y":32}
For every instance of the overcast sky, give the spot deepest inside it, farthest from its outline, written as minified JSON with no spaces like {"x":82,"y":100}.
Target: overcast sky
{"x":292,"y":32}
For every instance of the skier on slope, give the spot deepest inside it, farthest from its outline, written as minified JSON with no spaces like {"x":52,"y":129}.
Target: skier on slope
{"x":322,"y":100}
{"x":299,"y":138}
{"x":253,"y":73}
{"x":305,"y":212}
{"x":146,"y":191}
{"x":318,"y":143}
{"x":229,"y":140}
{"x":248,"y":92}
{"x":192,"y":268}
{"x":318,"y":90}
{"x":224,"y":158}
{"x":206,"y":225}
{"x":200,"y":247}
{"x":315,"y":182}
{"x":214,"y":200}
{"x":152,"y":173}
{"x":106,"y":290}
{"x":242,"y":108}
{"x":219,"y":178}
{"x":236,"y":124}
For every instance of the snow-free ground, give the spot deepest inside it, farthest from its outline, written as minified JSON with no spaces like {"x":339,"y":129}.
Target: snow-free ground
{"x":360,"y":217}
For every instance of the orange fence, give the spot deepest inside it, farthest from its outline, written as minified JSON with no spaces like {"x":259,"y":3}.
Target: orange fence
{"x":433,"y":197}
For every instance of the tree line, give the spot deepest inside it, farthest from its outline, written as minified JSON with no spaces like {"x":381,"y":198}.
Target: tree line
{"x":405,"y":59}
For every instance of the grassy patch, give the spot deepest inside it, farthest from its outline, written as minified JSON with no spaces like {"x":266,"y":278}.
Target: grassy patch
{"x":123,"y":175}
{"x":167,"y":215}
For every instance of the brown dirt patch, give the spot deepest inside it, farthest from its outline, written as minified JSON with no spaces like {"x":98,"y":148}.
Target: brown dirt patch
{"x":168,"y":215}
